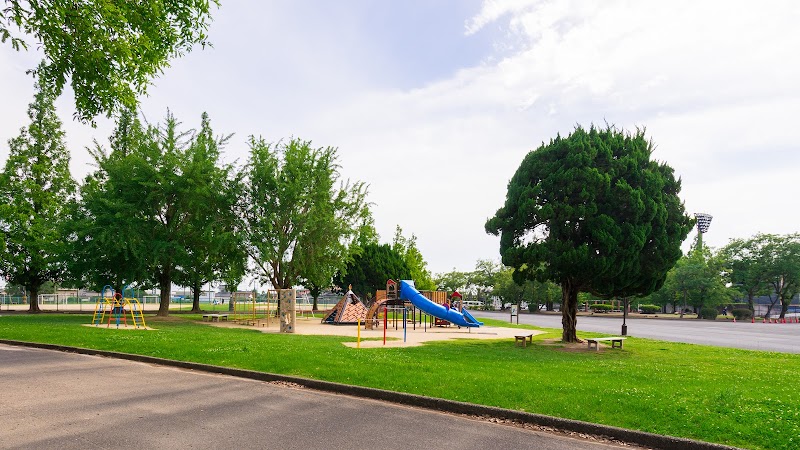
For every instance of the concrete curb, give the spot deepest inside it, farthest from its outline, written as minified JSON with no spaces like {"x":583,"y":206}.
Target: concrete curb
{"x":436,"y":404}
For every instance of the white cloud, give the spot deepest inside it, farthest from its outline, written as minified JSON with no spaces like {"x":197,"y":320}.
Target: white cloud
{"x":715,"y":83}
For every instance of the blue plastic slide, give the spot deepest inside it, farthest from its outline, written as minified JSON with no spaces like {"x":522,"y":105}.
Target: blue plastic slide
{"x":410,"y":293}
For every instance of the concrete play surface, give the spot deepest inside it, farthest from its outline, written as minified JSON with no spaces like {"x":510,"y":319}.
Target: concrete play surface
{"x":394,"y":338}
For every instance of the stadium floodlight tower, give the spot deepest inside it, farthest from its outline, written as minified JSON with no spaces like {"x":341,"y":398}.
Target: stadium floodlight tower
{"x":703,"y":222}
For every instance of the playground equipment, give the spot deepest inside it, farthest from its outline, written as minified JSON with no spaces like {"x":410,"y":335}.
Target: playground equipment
{"x":304,"y":307}
{"x":461,"y":318}
{"x":118,"y":306}
{"x":249,"y":309}
{"x":349,"y":310}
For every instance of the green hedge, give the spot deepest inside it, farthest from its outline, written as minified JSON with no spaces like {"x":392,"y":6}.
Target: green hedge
{"x":742,"y":313}
{"x":601,"y":307}
{"x":650,"y":309}
{"x":709,"y":313}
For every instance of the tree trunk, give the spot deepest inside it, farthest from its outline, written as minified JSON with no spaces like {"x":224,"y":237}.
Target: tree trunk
{"x":784,"y":307}
{"x":196,"y":289}
{"x":164,"y":285}
{"x":771,"y":305}
{"x":549,"y":306}
{"x":750,"y":303}
{"x":315,"y":292}
{"x":569,"y":310}
{"x":33,"y":301}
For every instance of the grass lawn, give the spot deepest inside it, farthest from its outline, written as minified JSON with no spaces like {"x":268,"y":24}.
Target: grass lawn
{"x":735,"y":397}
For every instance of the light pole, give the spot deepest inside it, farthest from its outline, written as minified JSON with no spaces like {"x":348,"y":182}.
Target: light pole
{"x":703,"y":222}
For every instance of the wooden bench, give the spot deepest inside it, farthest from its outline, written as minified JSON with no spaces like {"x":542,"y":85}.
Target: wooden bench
{"x":614,"y":342}
{"x":523,"y":338}
{"x":215,"y":317}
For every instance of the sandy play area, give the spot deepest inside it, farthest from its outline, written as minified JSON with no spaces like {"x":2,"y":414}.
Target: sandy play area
{"x":414,"y":337}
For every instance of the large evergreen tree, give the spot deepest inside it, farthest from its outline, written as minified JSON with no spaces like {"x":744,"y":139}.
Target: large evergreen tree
{"x":593,"y":213}
{"x":35,"y":186}
{"x":369,"y":271}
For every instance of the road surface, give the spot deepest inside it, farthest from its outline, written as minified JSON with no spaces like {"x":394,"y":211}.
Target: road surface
{"x":69,"y":401}
{"x":752,"y":336}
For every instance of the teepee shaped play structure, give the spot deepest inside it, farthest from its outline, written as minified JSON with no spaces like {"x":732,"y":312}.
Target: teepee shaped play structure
{"x":349,"y":310}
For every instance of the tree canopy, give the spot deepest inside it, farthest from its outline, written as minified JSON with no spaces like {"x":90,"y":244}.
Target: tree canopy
{"x":109,"y":51}
{"x":747,"y":268}
{"x":781,"y":254}
{"x":214,"y":247}
{"x":592,"y":212}
{"x":35,"y":186}
{"x":407,"y":248}
{"x":157,"y":210}
{"x":369,"y":271}
{"x":299,"y":218}
{"x":696,"y":280}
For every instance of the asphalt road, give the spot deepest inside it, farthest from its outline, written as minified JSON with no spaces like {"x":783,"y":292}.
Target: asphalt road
{"x":752,"y":336}
{"x":68,"y":401}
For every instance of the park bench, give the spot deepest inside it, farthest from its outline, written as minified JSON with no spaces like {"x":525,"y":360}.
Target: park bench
{"x":614,"y":342}
{"x":523,"y":338}
{"x":215,"y":317}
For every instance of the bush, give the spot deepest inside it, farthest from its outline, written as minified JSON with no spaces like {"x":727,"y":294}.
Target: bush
{"x":600,"y":307}
{"x":709,"y":313}
{"x":649,"y":309}
{"x":742,"y":313}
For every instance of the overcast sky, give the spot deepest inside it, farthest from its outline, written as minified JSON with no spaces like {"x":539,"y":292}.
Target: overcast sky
{"x":434,"y":103}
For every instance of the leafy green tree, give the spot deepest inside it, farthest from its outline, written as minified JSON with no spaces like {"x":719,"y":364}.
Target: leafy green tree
{"x":148,"y":205}
{"x":452,"y":281}
{"x":35,"y":186}
{"x":747,"y":267}
{"x":593,"y":213}
{"x":320,"y":276}
{"x":782,"y":255}
{"x":503,"y":286}
{"x":483,"y":279}
{"x":109,"y":51}
{"x":214,"y":249}
{"x":407,"y":248}
{"x":299,"y":218}
{"x":103,"y":235}
{"x":543,"y":294}
{"x":696,"y":280}
{"x":369,"y":271}
{"x":508,"y":290}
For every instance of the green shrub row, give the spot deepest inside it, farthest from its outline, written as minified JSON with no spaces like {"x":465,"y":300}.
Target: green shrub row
{"x":601,"y":307}
{"x":649,"y":309}
{"x":742,"y":313}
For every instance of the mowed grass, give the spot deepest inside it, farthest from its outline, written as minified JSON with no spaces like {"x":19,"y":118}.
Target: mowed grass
{"x":735,"y":397}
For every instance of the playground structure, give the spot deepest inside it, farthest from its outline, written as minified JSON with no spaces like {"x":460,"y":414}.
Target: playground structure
{"x":247,"y":308}
{"x":117,"y":306}
{"x":461,"y":318}
{"x":348,"y":311}
{"x":404,"y":296}
{"x":276,"y":306}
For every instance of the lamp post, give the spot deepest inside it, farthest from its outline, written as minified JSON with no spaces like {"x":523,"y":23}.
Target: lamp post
{"x":703,"y":222}
{"x":625,"y":303}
